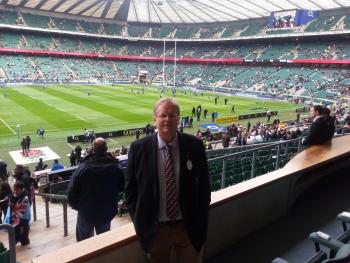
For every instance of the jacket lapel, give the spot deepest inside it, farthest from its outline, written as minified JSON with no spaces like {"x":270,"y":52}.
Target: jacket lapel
{"x":182,"y":150}
{"x":153,"y":152}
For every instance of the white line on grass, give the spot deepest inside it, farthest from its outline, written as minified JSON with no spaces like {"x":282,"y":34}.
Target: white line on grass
{"x":95,"y":126}
{"x":82,"y":119}
{"x":8,"y":126}
{"x":113,"y":140}
{"x":71,"y":146}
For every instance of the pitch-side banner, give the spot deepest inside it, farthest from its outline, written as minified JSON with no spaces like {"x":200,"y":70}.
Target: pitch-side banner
{"x":226,"y":119}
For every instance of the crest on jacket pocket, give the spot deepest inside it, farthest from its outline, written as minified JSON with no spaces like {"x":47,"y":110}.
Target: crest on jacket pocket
{"x":189,"y":165}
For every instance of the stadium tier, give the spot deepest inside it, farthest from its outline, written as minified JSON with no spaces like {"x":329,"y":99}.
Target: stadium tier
{"x":212,"y":31}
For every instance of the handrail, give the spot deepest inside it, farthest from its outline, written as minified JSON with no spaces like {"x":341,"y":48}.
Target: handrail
{"x":274,"y":145}
{"x":12,"y":241}
{"x":271,"y":144}
{"x":47,"y":198}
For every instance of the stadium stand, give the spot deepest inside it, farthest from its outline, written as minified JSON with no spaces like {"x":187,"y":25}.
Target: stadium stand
{"x":264,"y":66}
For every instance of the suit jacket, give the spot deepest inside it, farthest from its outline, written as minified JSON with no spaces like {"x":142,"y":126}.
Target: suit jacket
{"x":318,"y":133}
{"x":142,"y":189}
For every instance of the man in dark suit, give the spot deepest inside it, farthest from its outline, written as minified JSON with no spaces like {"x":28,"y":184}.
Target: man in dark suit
{"x":168,"y":189}
{"x":319,"y":130}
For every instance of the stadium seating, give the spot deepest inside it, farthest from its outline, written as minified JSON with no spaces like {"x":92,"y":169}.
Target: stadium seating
{"x":38,"y":42}
{"x":323,"y":23}
{"x":239,"y":166}
{"x":65,"y":24}
{"x":36,"y":20}
{"x":8,"y":17}
{"x":52,"y":68}
{"x":309,"y":83}
{"x":113,"y":29}
{"x":137,"y":31}
{"x":90,"y":27}
{"x":186,"y":31}
{"x":252,"y":29}
{"x":162,"y":31}
{"x":10,"y":40}
{"x":18,"y":68}
{"x":231,"y":29}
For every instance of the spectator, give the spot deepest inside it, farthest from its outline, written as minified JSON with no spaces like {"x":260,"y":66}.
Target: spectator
{"x":193,"y":111}
{"x":198,"y":115}
{"x":22,"y":174}
{"x":93,"y":191}
{"x":28,"y":142}
{"x":24,"y":147}
{"x":137,"y":134}
{"x":205,"y":112}
{"x":56,"y":165}
{"x":319,"y":131}
{"x":191,"y":122}
{"x":78,"y":151}
{"x":5,"y":194}
{"x":40,"y":132}
{"x":123,"y":150}
{"x":330,"y":122}
{"x":41,"y":165}
{"x":268,"y":115}
{"x":226,"y":140}
{"x":18,"y":213}
{"x":3,"y":170}
{"x":73,"y":158}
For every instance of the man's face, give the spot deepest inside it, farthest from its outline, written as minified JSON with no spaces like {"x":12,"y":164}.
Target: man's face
{"x":18,"y":170}
{"x":313,"y":113}
{"x":167,"y":119}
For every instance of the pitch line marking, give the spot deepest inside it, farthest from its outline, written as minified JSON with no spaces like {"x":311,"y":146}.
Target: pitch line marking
{"x":71,"y":146}
{"x":82,"y":119}
{"x":113,"y":140}
{"x":8,"y":126}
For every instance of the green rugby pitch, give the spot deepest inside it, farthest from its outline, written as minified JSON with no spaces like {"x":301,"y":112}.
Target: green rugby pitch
{"x":64,"y":110}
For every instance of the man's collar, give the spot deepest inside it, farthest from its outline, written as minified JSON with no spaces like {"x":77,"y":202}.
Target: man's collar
{"x":317,"y":117}
{"x":162,"y":143}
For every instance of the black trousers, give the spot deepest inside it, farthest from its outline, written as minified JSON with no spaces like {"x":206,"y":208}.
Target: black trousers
{"x":22,"y":232}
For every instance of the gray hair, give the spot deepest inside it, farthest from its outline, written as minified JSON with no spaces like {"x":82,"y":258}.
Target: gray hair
{"x":166,"y":101}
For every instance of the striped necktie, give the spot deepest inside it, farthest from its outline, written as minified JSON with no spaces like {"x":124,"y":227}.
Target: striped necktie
{"x":172,"y":210}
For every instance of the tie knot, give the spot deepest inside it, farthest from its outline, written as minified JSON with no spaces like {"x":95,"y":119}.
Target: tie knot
{"x":168,"y":149}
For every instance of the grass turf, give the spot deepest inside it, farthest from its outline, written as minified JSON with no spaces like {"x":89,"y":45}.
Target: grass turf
{"x":64,"y":110}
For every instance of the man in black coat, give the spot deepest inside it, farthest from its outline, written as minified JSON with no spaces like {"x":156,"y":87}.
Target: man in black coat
{"x":147,"y":189}
{"x":319,"y":130}
{"x":93,"y":191}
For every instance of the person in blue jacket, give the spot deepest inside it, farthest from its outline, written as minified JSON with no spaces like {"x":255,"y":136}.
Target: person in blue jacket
{"x":93,"y":190}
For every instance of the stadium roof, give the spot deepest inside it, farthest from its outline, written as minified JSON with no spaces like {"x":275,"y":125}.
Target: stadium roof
{"x":175,"y":11}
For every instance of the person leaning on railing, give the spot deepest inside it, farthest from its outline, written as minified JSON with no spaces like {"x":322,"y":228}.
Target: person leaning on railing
{"x":321,"y":129}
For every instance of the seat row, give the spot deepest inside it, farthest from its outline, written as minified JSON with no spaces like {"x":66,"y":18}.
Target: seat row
{"x":328,"y":249}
